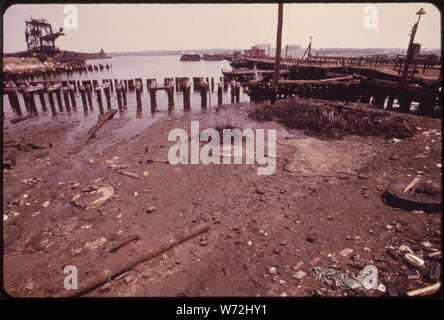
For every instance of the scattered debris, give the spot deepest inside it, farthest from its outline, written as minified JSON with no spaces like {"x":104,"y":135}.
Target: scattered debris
{"x":342,"y":280}
{"x":425,"y":291}
{"x":96,"y":243}
{"x":93,"y":196}
{"x":414,"y":260}
{"x":94,"y":282}
{"x":299,"y":275}
{"x":129,"y":174}
{"x":367,"y":278}
{"x":345,"y":252}
{"x":423,"y":196}
{"x":150,"y":209}
{"x":116,"y":245}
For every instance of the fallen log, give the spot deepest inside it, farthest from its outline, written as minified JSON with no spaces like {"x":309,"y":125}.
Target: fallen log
{"x":103,"y":278}
{"x":20,"y":119}
{"x":100,"y":123}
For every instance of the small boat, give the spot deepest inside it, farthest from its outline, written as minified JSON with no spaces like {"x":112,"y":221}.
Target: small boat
{"x":212,"y":57}
{"x":190,"y":57}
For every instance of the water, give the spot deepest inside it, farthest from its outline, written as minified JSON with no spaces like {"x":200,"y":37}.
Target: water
{"x":131,"y":67}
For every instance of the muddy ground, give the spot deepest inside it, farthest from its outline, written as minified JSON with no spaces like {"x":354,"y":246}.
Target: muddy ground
{"x":325,"y":196}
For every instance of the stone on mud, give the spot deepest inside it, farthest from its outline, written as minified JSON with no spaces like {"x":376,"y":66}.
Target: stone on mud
{"x":93,"y":196}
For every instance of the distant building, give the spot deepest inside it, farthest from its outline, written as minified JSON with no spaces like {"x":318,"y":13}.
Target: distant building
{"x":255,"y":52}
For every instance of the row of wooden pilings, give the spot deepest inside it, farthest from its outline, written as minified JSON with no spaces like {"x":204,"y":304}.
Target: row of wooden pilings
{"x":353,"y":91}
{"x":65,"y":91}
{"x":30,"y":75}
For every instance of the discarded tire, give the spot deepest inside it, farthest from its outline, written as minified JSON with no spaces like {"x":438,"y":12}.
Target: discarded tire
{"x":421,"y":197}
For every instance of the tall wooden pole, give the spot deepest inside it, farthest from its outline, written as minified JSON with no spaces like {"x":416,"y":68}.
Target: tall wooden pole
{"x":277,"y":62}
{"x":278,"y":47}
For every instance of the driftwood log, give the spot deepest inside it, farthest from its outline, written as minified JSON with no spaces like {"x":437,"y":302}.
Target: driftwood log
{"x":95,"y":282}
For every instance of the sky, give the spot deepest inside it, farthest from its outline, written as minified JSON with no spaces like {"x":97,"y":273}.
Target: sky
{"x":145,"y":27}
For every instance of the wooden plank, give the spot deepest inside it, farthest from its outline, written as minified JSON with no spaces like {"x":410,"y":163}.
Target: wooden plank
{"x":425,"y":291}
{"x":100,"y":123}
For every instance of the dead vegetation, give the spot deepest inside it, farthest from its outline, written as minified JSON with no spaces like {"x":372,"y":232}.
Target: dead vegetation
{"x":328,"y":121}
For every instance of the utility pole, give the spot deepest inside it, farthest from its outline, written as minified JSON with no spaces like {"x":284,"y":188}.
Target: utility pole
{"x":409,"y":54}
{"x":278,"y":50}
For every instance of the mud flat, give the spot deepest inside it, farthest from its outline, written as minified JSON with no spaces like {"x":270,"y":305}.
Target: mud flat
{"x":323,"y":207}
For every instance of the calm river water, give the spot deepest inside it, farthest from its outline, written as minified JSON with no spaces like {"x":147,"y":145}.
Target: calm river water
{"x":130,"y":67}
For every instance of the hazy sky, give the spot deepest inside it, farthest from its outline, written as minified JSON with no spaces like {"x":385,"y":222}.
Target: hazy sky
{"x":139,"y":27}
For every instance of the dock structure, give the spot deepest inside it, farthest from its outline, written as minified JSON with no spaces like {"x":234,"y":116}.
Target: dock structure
{"x":381,"y":87}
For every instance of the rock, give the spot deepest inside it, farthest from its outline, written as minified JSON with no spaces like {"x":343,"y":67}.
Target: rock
{"x":150,"y":209}
{"x":346,"y":252}
{"x":95,"y":243}
{"x":405,"y":248}
{"x":355,"y":257}
{"x":272,"y":270}
{"x":93,"y":196}
{"x":388,"y":227}
{"x":128,"y":279}
{"x":203,"y":241}
{"x":311,"y":238}
{"x":46,"y":204}
{"x":299,"y":275}
{"x":30,"y":286}
{"x":381,"y":287}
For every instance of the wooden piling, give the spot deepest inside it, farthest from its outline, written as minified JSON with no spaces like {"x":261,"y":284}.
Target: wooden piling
{"x":73,"y":97}
{"x":42,"y":100}
{"x":32,"y":105}
{"x":66,"y":98}
{"x":237,"y":92}
{"x":141,"y":83}
{"x":390,"y":101}
{"x":99,"y":99}
{"x":153,"y":89}
{"x":88,"y":95}
{"x":203,"y":94}
{"x":59,"y":98}
{"x":124,"y":89}
{"x":170,"y":93}
{"x":84,"y":102}
{"x":219,"y":94}
{"x":186,"y":88}
{"x":138,"y":93}
{"x":14,"y":101}
{"x":108,"y":96}
{"x":233,"y":91}
{"x":25,"y":97}
{"x":119,"y":95}
{"x":405,"y":102}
